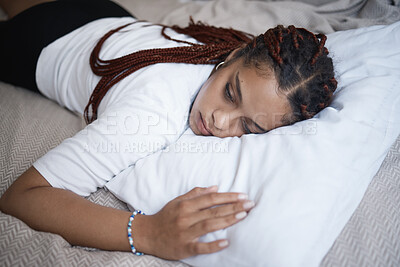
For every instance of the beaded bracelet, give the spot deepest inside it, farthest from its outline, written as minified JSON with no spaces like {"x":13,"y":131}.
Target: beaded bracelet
{"x":130,"y":232}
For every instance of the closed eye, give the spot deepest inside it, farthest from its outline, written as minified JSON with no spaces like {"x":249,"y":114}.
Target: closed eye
{"x":246,"y":129}
{"x":228,"y":93}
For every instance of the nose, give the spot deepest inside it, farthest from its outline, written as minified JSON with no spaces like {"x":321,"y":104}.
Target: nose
{"x":222,"y":119}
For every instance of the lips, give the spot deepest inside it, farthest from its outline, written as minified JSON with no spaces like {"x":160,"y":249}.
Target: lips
{"x":202,"y":127}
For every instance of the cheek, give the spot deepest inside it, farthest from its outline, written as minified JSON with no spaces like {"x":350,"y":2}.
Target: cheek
{"x":204,"y":95}
{"x":197,"y":101}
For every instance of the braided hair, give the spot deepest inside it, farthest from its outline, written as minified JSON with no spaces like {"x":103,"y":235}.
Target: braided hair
{"x":297,"y":56}
{"x":301,"y":65}
{"x":217,"y":44}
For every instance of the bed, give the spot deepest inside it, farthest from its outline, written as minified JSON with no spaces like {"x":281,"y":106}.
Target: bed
{"x":31,"y":125}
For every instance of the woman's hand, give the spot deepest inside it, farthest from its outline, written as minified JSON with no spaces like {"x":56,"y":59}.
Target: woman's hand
{"x":173,"y":232}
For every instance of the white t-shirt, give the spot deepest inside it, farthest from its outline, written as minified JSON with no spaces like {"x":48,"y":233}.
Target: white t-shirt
{"x":138,"y":116}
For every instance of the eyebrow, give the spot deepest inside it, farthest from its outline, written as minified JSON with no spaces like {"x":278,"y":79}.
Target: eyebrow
{"x":239,"y":91}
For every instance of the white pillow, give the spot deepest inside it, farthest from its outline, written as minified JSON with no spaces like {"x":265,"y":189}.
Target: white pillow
{"x":306,"y":179}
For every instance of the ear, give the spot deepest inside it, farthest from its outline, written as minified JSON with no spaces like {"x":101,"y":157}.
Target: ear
{"x":230,"y":56}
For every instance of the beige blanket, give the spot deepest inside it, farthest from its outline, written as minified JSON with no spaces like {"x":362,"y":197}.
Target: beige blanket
{"x":30,"y":125}
{"x":256,"y":17}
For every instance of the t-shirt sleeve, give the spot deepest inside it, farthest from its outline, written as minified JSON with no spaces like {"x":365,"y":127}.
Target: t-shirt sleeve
{"x":115,"y":141}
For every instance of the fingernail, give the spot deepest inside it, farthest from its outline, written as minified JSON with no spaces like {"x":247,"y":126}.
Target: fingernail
{"x":223,"y":243}
{"x":248,"y":205}
{"x":241,"y":215}
{"x":242,"y":196}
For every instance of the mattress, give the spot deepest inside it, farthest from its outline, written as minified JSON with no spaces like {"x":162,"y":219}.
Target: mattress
{"x":30,"y":125}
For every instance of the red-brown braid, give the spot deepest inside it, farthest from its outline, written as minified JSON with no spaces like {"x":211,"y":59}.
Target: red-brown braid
{"x":217,"y":44}
{"x":320,"y":48}
{"x":273,"y":45}
{"x":293,"y":31}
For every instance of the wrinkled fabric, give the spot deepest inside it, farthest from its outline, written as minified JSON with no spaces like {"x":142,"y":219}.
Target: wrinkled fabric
{"x":257,"y":16}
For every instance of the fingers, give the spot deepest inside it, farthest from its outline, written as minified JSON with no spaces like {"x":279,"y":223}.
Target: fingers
{"x":200,"y":206}
{"x":177,"y":227}
{"x":198,"y":212}
{"x":220,"y":211}
{"x":198,"y":191}
{"x":211,"y":225}
{"x":206,"y":248}
{"x":211,"y":199}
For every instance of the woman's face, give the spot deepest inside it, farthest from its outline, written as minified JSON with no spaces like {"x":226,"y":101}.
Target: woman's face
{"x":236,"y":100}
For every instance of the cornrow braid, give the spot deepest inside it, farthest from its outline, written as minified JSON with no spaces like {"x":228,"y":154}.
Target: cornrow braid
{"x":217,"y":43}
{"x":292,"y":30}
{"x":272,"y":42}
{"x":320,"y":47}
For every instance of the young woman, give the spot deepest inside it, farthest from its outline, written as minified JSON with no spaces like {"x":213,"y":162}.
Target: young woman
{"x":93,"y":57}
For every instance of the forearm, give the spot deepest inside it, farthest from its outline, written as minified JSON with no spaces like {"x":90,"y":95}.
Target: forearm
{"x":78,"y":220}
{"x":172,"y":233}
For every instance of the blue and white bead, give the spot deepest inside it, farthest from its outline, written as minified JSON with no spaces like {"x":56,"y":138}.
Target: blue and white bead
{"x":131,"y":218}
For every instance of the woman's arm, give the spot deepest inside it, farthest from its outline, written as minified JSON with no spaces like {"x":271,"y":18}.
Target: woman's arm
{"x":172,"y":233}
